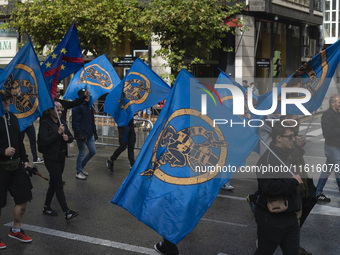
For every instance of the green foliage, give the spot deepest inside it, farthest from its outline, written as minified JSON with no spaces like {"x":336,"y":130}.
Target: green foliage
{"x":187,"y":30}
{"x":102,"y":25}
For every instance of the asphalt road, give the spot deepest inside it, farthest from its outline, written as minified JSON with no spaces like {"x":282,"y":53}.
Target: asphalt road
{"x":228,"y":227}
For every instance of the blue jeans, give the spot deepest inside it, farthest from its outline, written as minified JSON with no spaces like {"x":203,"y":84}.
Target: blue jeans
{"x":81,"y":160}
{"x":333,"y":157}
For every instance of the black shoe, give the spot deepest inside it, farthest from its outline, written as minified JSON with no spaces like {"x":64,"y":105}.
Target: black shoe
{"x":323,"y":198}
{"x":109,"y":165}
{"x":69,"y":214}
{"x":49,"y":211}
{"x":162,"y":249}
{"x":302,"y":251}
{"x":159,"y":248}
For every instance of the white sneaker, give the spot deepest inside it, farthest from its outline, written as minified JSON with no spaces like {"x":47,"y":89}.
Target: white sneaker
{"x":80,"y":176}
{"x":227,"y":186}
{"x":85,"y":173}
{"x":39,"y":160}
{"x":143,"y":124}
{"x":148,"y":126}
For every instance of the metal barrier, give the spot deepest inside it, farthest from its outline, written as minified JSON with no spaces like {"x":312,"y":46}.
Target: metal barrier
{"x":107,"y":130}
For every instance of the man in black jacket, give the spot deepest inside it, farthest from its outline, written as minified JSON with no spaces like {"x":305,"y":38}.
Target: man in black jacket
{"x":276,"y":181}
{"x":53,"y":136}
{"x":85,"y":133}
{"x":70,"y":104}
{"x":330,"y":123}
{"x":13,"y":177}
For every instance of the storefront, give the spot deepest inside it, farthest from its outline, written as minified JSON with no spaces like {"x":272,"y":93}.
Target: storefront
{"x":8,"y":46}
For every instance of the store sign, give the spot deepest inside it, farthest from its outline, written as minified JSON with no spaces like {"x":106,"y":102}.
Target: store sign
{"x":9,"y":32}
{"x":124,"y":61}
{"x":257,"y":5}
{"x":263,"y":63}
{"x":8,"y":47}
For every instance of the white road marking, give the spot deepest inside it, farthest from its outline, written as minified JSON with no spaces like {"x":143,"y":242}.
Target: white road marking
{"x":88,"y":239}
{"x":315,"y":132}
{"x":318,"y":209}
{"x":326,"y":210}
{"x":310,"y":124}
{"x":225,"y":222}
{"x":315,"y":157}
{"x":232,"y":197}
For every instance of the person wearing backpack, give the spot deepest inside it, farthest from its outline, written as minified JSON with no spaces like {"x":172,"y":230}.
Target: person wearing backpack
{"x":278,"y":198}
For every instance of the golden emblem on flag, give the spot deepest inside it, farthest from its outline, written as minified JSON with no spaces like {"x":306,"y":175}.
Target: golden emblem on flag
{"x":136,"y":90}
{"x":194,"y":147}
{"x":95,"y":75}
{"x":25,"y":94}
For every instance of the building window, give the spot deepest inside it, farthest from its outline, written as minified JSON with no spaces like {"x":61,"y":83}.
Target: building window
{"x":327,"y":34}
{"x":331,"y":18}
{"x":327,"y":15}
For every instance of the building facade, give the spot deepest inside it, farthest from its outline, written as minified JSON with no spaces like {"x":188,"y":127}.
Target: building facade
{"x":331,"y":32}
{"x":288,"y":28}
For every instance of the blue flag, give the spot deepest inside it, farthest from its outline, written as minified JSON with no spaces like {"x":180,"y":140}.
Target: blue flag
{"x":184,"y":162}
{"x":67,"y":58}
{"x":98,"y":76}
{"x":314,"y":76}
{"x":24,"y":80}
{"x":227,"y":97}
{"x":141,"y":88}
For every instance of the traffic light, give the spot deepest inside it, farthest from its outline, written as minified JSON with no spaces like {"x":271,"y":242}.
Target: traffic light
{"x":277,"y":67}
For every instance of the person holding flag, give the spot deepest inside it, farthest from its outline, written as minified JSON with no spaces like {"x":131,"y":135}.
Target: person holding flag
{"x":70,"y":104}
{"x":172,"y":171}
{"x":278,"y":227}
{"x":13,"y":164}
{"x":53,"y":137}
{"x":85,"y":133}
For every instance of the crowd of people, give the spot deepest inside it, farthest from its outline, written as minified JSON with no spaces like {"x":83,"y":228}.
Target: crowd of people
{"x":280,"y":205}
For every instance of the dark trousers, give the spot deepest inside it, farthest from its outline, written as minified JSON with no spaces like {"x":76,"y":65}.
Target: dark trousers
{"x":277,"y":229}
{"x":130,"y":144}
{"x":30,"y":131}
{"x":56,"y":169}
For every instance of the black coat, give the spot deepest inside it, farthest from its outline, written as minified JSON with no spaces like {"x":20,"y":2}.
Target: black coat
{"x":69,"y":104}
{"x":330,"y":123}
{"x":277,"y":184}
{"x":83,"y":122}
{"x":15,"y":138}
{"x":52,"y":142}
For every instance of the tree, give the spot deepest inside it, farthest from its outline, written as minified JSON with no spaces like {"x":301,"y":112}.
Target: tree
{"x":102,"y":25}
{"x":187,"y":30}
